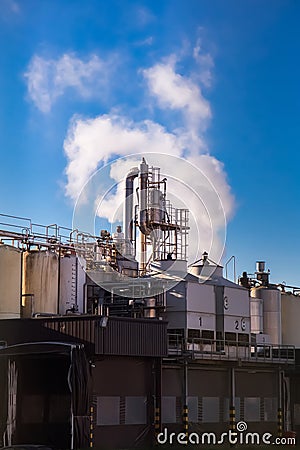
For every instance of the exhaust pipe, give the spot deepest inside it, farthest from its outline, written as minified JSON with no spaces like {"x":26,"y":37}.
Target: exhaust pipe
{"x":128,"y":225}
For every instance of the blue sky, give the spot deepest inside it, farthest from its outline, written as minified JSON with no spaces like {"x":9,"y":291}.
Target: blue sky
{"x":217,"y":79}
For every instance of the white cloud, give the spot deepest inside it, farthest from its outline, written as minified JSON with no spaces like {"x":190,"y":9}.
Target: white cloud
{"x":90,"y":143}
{"x":48,"y":79}
{"x":177,"y":92}
{"x":205,"y":64}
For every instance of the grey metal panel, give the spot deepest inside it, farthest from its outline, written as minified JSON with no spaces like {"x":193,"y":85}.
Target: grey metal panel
{"x":296,"y":413}
{"x":238,"y":302}
{"x":108,"y":410}
{"x":135,"y":410}
{"x":192,"y":403}
{"x":200,"y":298}
{"x":168,"y":409}
{"x":132,"y":337}
{"x":270,"y":409}
{"x":252,"y":409}
{"x":210,"y":409}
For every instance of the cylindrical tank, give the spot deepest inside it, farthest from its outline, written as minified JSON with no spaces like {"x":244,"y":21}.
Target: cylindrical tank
{"x":290,"y":309}
{"x":72,"y":283}
{"x":271,"y":298}
{"x":10,"y":281}
{"x":206,"y":270}
{"x":40,"y":280}
{"x":156,"y":206}
{"x":256,"y":311}
{"x":260,"y":266}
{"x":150,"y":307}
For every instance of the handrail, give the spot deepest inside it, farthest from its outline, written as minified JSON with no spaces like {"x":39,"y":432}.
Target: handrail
{"x":204,"y":348}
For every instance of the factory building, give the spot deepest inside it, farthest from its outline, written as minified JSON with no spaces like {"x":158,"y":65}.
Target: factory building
{"x":108,"y":340}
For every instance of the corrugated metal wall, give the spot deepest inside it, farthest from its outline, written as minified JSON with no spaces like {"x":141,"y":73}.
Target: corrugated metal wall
{"x":121,"y":336}
{"x":129,"y":337}
{"x":82,"y":329}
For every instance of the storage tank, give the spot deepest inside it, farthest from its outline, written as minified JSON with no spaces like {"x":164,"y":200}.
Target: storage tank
{"x":150,"y":311}
{"x":72,"y":284}
{"x":10,"y":282}
{"x":156,"y":206}
{"x":256,"y":311}
{"x":40,"y":281}
{"x":271,"y":298}
{"x":290,"y":310}
{"x":206,"y":270}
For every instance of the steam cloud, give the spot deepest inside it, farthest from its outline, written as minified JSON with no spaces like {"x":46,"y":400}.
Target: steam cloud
{"x":92,"y":142}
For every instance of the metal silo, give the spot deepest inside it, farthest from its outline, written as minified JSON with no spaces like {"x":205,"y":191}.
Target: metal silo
{"x":271,"y":298}
{"x":40,"y":280}
{"x":257,"y":320}
{"x":72,"y":284}
{"x":290,"y":309}
{"x":10,"y":282}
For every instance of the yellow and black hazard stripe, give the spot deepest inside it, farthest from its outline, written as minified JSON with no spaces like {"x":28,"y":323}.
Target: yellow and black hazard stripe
{"x":157,"y":420}
{"x":91,"y":426}
{"x":280,"y":422}
{"x":185,"y":419}
{"x":232,"y":418}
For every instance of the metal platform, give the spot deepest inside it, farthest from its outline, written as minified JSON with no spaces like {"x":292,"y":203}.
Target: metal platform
{"x":216,"y":350}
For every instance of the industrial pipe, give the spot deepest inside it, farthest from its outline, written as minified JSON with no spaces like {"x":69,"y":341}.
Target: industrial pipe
{"x":143,"y":219}
{"x":143,"y":222}
{"x":232,"y":401}
{"x":129,"y":204}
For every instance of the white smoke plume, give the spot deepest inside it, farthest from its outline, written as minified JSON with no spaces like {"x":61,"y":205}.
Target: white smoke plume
{"x":90,"y":143}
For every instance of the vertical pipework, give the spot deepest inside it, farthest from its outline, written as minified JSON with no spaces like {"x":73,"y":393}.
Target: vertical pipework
{"x":143,"y":191}
{"x":76,"y":283}
{"x":58,"y":279}
{"x":185,"y":414}
{"x":143,"y":263}
{"x":21,"y":282}
{"x":280,"y":415}
{"x":157,"y":420}
{"x":91,"y":426}
{"x":128,"y":220}
{"x":232,"y":401}
{"x":143,"y":213}
{"x":158,"y":387}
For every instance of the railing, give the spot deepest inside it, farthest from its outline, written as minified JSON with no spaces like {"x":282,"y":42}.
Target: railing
{"x":21,"y":231}
{"x":202,"y":348}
